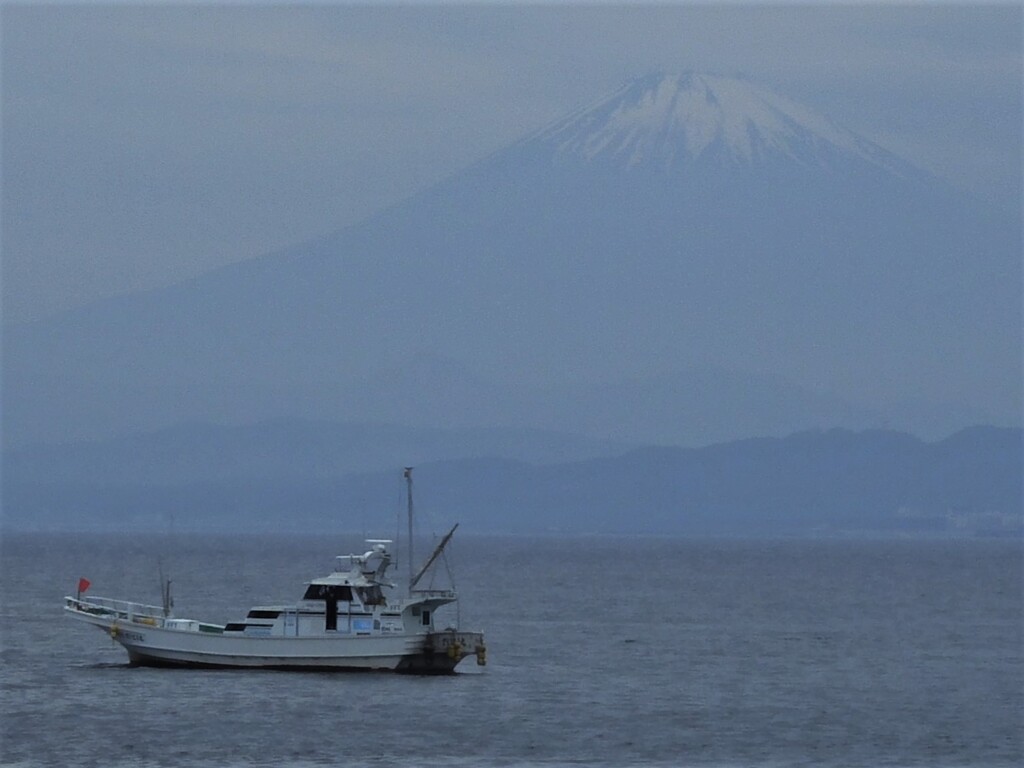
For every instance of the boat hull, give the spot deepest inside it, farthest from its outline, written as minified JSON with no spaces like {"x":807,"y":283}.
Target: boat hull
{"x":413,"y":664}
{"x":425,"y":653}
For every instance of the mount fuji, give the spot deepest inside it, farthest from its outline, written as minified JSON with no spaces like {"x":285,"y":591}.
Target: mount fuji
{"x":675,"y":122}
{"x":692,"y":258}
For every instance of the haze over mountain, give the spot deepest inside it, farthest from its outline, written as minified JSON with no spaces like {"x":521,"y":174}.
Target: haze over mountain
{"x":288,"y":449}
{"x":690,"y":259}
{"x":831,"y":482}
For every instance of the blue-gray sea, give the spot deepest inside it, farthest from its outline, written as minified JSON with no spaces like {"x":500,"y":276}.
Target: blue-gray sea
{"x":604,"y":652}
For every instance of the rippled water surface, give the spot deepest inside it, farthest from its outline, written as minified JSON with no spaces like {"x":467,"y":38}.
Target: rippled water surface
{"x":601,"y":652}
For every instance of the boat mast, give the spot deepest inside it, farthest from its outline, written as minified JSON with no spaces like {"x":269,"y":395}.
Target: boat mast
{"x":408,"y":486}
{"x":165,"y":590}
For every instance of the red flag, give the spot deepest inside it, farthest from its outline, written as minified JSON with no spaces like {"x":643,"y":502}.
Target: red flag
{"x":83,"y":584}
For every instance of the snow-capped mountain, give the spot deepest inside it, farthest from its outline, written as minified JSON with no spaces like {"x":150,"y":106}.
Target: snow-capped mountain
{"x":570,"y":282}
{"x":673,"y":121}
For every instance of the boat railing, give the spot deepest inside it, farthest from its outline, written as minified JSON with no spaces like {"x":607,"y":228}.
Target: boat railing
{"x":116,"y":609}
{"x":446,"y":593}
{"x":137,"y":613}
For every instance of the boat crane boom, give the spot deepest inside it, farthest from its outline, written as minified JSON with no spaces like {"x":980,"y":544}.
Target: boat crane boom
{"x":430,"y":560}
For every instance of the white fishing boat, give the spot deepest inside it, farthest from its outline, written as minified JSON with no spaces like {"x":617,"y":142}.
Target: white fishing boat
{"x":346,"y":620}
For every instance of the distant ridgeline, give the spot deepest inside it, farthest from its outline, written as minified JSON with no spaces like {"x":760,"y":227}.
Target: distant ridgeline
{"x":833,"y":482}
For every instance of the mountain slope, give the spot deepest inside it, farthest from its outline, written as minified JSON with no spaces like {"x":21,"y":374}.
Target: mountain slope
{"x":832,"y":482}
{"x":596,"y":252}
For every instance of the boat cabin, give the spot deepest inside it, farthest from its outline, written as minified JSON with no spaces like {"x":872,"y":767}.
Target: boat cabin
{"x":348,"y":602}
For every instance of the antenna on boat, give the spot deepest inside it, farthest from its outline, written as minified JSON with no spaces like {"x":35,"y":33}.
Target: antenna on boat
{"x":165,"y":589}
{"x":408,"y":485}
{"x":166,"y":601}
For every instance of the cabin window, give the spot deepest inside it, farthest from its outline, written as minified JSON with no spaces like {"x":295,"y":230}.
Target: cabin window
{"x":341,"y":592}
{"x":234,"y":628}
{"x":263,"y":614}
{"x":370,"y":595}
{"x":426,"y":618}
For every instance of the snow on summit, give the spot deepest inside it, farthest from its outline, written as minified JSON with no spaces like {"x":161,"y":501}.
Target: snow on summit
{"x":669,"y":120}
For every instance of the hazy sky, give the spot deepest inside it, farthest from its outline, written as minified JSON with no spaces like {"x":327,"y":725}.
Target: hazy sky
{"x":144,"y":144}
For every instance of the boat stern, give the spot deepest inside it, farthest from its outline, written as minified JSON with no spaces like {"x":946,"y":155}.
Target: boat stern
{"x":443,"y":651}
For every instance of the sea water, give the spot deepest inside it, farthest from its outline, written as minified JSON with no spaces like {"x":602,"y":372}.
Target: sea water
{"x":605,"y":652}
